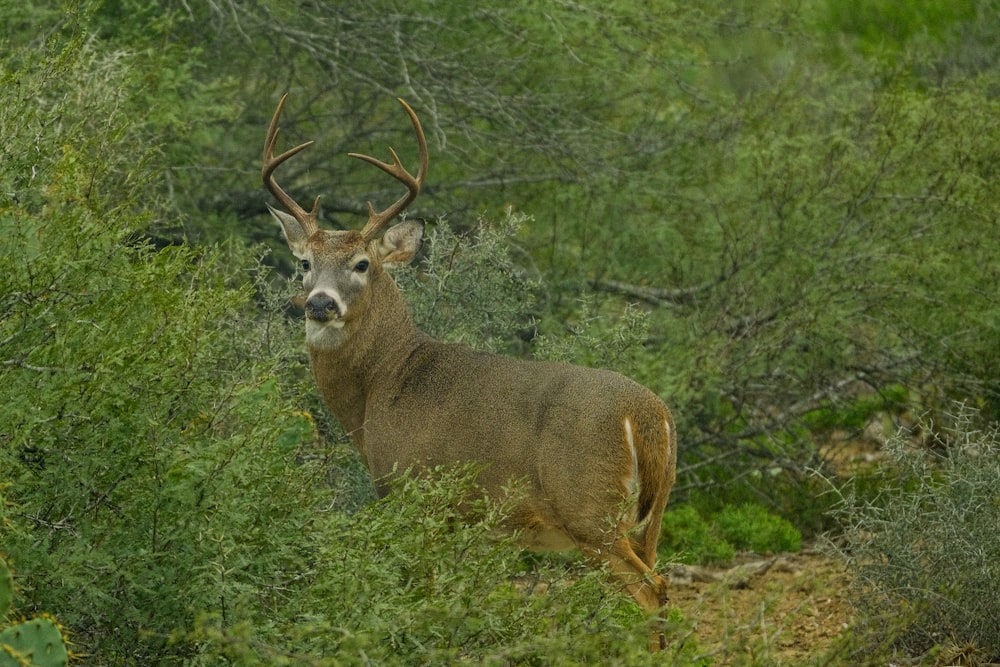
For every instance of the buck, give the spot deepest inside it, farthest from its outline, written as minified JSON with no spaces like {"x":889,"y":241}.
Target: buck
{"x":593,"y":453}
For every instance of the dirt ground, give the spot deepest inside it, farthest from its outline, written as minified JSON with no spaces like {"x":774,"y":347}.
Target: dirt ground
{"x":782,"y":610}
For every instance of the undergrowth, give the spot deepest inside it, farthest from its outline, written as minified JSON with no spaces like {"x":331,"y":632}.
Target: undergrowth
{"x":415,"y":579}
{"x":691,"y":538}
{"x":923,"y":552}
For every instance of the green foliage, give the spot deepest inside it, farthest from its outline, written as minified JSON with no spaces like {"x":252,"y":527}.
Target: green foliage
{"x":857,"y":413}
{"x":6,"y":588}
{"x":469,"y":287}
{"x":922,"y":553}
{"x":887,"y":27}
{"x":752,"y":528}
{"x":149,"y":439}
{"x":690,"y":537}
{"x":599,"y":339}
{"x":416,"y":579}
{"x":473,"y":287}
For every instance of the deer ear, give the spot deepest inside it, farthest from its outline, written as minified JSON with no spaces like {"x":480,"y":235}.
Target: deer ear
{"x":400,"y":243}
{"x":295,"y":236}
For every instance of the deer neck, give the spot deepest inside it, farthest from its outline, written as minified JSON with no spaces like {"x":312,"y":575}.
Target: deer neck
{"x":367,"y":357}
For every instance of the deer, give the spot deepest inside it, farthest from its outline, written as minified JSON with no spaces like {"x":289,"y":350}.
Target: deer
{"x":592,"y":453}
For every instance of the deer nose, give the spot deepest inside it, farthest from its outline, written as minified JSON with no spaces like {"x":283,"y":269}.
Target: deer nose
{"x":321,"y":307}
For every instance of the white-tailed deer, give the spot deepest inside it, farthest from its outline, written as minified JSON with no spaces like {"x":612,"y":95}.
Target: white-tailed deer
{"x":593,"y":452}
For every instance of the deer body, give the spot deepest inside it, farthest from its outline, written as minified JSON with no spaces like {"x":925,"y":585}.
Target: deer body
{"x":549,"y":428}
{"x":589,"y":453}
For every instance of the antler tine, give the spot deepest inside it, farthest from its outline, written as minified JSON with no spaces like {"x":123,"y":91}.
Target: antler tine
{"x":378,"y":221}
{"x":307,"y":220}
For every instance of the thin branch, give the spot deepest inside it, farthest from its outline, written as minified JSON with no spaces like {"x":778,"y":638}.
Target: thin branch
{"x":20,"y":363}
{"x":661,"y":296}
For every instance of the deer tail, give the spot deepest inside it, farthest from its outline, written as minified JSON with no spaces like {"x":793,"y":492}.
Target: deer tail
{"x":656,"y":462}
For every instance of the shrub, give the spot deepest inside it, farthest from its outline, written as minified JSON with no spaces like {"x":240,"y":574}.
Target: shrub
{"x":750,"y":527}
{"x":467,"y":287}
{"x":149,"y":432}
{"x":417,"y":579}
{"x":691,"y":538}
{"x":924,"y":552}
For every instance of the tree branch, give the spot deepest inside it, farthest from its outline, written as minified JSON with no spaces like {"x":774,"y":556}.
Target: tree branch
{"x":661,"y":296}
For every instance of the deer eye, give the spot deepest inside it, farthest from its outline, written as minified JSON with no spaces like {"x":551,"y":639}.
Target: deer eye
{"x":361,"y":266}
{"x":306,"y":266}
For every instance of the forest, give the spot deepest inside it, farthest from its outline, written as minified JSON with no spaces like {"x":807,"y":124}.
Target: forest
{"x":781,"y":217}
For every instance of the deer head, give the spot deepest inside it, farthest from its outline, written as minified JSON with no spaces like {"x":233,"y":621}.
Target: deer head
{"x":338,"y":267}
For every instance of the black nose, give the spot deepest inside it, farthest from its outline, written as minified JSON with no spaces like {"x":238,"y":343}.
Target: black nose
{"x":321,"y":307}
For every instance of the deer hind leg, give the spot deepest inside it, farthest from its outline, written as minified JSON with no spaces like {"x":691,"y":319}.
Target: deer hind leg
{"x":647,"y":588}
{"x":644,"y":544}
{"x":642,"y":583}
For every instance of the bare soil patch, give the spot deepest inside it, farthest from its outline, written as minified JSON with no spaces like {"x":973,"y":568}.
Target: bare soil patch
{"x":788,"y":609}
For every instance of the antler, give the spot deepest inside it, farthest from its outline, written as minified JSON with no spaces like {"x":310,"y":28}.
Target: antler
{"x":377,"y":221}
{"x":307,"y":220}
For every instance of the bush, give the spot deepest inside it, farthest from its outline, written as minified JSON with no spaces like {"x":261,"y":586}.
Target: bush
{"x":149,"y":432}
{"x":416,"y":579}
{"x":690,"y":538}
{"x":752,"y":528}
{"x":924,"y":552}
{"x":468,"y":289}
{"x":39,"y":640}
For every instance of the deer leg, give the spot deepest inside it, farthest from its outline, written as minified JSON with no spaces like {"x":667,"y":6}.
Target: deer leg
{"x":647,"y":588}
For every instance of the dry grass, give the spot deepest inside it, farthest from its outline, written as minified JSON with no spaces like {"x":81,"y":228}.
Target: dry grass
{"x":788,"y":610}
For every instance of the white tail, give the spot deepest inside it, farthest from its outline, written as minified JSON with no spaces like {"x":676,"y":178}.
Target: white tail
{"x":593,"y":452}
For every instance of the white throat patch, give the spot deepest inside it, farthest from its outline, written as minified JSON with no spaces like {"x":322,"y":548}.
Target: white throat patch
{"x":324,"y":334}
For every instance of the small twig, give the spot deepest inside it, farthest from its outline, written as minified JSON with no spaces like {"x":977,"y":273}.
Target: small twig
{"x":20,"y":363}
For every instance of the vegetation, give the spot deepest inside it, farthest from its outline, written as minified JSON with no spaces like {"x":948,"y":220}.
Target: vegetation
{"x":925,"y":577}
{"x":692,"y":538}
{"x":38,"y":641}
{"x":780,"y":217}
{"x":435,"y":592}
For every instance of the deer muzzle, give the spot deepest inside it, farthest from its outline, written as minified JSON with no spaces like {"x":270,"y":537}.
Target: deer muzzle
{"x":321,"y":307}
